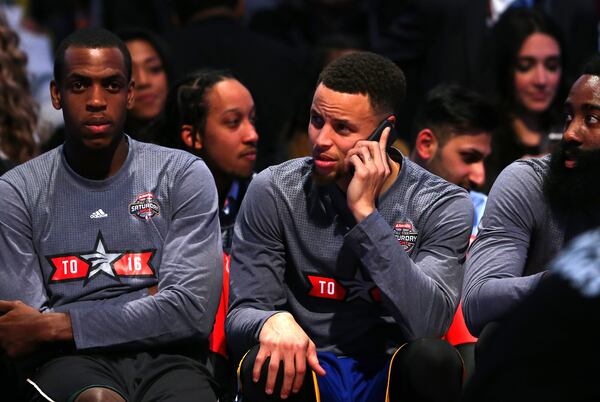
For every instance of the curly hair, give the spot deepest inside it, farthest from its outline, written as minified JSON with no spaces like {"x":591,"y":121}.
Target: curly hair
{"x":367,"y":74}
{"x":18,"y":111}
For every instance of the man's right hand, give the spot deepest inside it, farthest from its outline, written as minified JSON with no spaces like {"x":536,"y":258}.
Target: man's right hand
{"x":282,"y":339}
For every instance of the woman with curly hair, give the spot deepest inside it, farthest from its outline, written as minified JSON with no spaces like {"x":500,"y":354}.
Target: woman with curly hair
{"x":18,"y":111}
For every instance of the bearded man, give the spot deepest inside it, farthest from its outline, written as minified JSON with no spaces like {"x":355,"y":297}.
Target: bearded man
{"x":534,"y":208}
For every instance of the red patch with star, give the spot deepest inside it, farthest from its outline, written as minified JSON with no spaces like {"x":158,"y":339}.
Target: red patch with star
{"x":84,"y":266}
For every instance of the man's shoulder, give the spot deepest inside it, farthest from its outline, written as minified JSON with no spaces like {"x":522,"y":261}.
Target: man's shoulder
{"x":423,"y":183}
{"x":155,"y":157}
{"x":34,"y":171}
{"x":528,"y":174}
{"x":537,"y":167}
{"x":289,"y":175}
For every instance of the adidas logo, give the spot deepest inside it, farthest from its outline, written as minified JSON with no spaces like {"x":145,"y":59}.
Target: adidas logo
{"x":98,"y":214}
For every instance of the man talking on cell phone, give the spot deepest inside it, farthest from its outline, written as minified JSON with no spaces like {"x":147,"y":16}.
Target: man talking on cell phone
{"x":346,"y":266}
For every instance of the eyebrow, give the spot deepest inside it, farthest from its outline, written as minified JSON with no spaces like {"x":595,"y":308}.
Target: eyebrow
{"x":151,"y":59}
{"x":78,"y":76}
{"x":590,"y":106}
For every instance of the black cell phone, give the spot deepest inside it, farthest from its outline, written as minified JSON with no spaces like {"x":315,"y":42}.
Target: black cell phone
{"x":376,"y":135}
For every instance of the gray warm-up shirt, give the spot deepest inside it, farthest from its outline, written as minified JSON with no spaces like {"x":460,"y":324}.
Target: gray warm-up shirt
{"x":354,"y":288}
{"x":518,"y":235}
{"x":93,"y":248}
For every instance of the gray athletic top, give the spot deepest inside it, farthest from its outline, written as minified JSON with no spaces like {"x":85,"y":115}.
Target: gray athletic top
{"x":93,"y":248}
{"x":354,"y":288}
{"x":518,"y":236}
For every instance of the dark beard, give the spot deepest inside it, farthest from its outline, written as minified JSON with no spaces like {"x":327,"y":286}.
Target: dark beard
{"x":577,"y":187}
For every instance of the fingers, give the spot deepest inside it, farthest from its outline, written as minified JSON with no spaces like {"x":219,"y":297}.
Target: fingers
{"x":300,"y":371}
{"x":261,"y":356}
{"x":7,"y":305}
{"x":289,"y":375}
{"x":313,"y":361}
{"x":384,"y":139}
{"x":272,"y":372}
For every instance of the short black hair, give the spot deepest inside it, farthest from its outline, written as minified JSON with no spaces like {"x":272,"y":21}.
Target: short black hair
{"x":187,"y":104}
{"x":89,"y":38}
{"x":450,"y":108}
{"x":368,"y":74}
{"x":592,"y":66}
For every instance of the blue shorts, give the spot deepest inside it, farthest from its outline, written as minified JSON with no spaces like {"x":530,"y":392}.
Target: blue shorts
{"x":351,"y":380}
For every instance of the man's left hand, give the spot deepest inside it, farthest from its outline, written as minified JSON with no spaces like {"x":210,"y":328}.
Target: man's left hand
{"x":371,"y":169}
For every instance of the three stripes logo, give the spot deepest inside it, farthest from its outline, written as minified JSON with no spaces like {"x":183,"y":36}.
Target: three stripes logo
{"x":98,"y":214}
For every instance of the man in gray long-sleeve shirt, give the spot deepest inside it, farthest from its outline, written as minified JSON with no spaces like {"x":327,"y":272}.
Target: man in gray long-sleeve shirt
{"x":534,"y":208}
{"x":110,"y":254}
{"x":351,"y":253}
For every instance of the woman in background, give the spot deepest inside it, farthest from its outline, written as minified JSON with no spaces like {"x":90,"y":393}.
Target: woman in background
{"x":529,"y":58}
{"x":18,"y":111}
{"x":151,"y":75}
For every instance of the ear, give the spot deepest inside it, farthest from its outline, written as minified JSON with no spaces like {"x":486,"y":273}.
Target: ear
{"x":188,"y":137}
{"x":130,"y":95}
{"x":426,"y":144}
{"x":55,"y":95}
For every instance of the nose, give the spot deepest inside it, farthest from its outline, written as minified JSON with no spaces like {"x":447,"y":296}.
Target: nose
{"x":96,"y":98}
{"x":321,"y":137}
{"x":541,"y":75}
{"x":572,"y":132}
{"x":141,"y":77}
{"x":250,"y":135}
{"x":477,"y":174}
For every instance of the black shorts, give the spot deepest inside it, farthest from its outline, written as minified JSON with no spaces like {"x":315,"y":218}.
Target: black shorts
{"x":141,"y":376}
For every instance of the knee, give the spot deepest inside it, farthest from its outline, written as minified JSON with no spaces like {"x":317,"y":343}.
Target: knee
{"x":429,"y":357}
{"x":434,"y":353}
{"x":99,"y":394}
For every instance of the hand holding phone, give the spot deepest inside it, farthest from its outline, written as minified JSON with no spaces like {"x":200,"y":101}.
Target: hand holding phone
{"x":369,"y":167}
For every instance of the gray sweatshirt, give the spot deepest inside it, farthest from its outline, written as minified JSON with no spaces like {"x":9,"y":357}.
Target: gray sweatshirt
{"x":518,"y":236}
{"x":93,"y":248}
{"x":354,"y":288}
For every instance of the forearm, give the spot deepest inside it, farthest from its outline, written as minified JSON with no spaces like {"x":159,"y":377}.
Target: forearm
{"x":495,"y":297}
{"x":171,"y":315}
{"x":421,"y":304}
{"x":55,"y":327}
{"x":243,"y":327}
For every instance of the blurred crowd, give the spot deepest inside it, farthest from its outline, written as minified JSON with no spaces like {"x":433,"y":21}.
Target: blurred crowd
{"x":520,"y":55}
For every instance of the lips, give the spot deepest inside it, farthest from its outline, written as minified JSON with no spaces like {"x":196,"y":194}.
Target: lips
{"x":250,"y":155}
{"x":146,"y":98}
{"x":97,"y":125}
{"x":570,"y":157}
{"x":324,"y":163}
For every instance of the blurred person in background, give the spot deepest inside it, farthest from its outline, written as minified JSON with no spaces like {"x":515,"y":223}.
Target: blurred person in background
{"x":212,"y":36}
{"x":18,"y":111}
{"x":528,"y":64}
{"x":211,"y":114}
{"x":151,"y":76}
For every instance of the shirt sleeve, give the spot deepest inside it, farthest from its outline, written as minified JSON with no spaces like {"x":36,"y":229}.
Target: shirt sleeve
{"x":20,"y":272}
{"x":494,"y":280}
{"x":258,"y":252}
{"x":189,"y":278}
{"x":421,"y":293}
